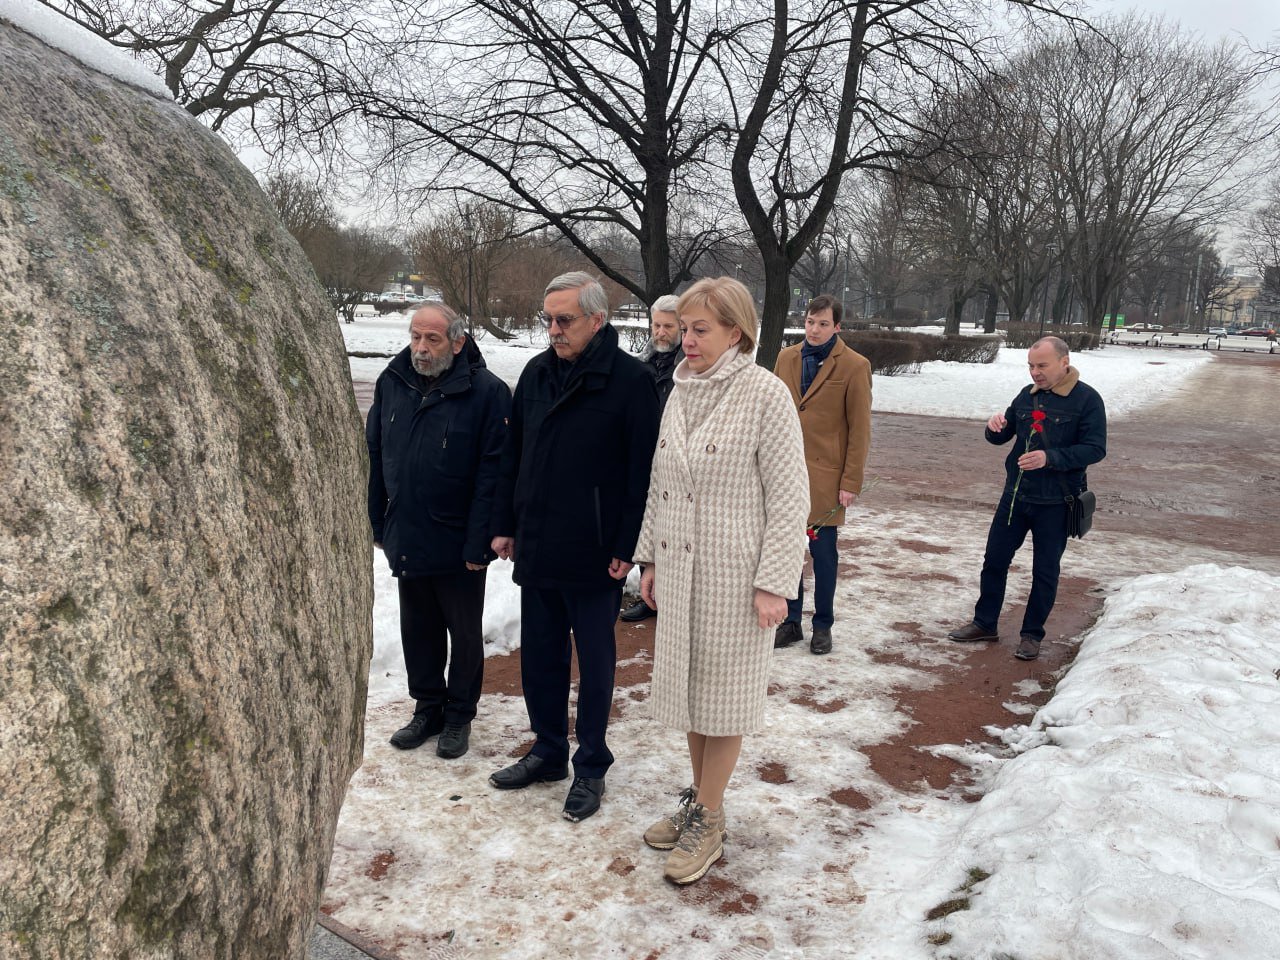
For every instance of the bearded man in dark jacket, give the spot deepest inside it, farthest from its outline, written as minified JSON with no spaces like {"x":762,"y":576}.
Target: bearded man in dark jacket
{"x":1059,"y":426}
{"x":435,"y":433}
{"x":575,"y":476}
{"x":661,"y":355}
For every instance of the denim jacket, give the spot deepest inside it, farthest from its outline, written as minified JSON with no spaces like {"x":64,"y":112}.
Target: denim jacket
{"x":1075,"y":436}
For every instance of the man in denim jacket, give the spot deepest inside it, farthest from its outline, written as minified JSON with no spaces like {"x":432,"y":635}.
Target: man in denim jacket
{"x":1060,"y":427}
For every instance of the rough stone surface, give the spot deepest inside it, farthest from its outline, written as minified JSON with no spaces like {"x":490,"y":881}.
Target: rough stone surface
{"x":185,"y":583}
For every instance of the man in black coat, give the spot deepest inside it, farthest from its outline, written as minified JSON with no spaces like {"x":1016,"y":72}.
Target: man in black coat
{"x":435,"y":432}
{"x":1060,"y":426}
{"x":661,"y":355}
{"x":570,"y":502}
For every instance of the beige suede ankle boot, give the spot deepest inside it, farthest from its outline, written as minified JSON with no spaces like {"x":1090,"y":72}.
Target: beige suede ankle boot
{"x":700,"y":845}
{"x":664,"y":834}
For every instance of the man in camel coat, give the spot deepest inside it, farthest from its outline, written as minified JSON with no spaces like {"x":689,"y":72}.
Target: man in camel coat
{"x":831,"y":386}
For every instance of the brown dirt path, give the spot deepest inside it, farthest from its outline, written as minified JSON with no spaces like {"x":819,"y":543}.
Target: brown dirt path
{"x":1194,"y":468}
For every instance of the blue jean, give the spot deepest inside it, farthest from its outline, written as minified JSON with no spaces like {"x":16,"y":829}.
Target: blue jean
{"x":547,"y":617}
{"x":1047,"y":524}
{"x":825,"y":562}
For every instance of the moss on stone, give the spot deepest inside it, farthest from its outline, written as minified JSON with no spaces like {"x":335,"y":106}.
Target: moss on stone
{"x":64,"y":609}
{"x":147,"y":446}
{"x":292,"y":366}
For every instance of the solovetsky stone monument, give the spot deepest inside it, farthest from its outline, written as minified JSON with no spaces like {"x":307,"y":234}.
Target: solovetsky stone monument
{"x":185,"y":582}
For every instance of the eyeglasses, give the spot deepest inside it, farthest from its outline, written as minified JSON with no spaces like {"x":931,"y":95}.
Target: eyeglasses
{"x":563,"y":322}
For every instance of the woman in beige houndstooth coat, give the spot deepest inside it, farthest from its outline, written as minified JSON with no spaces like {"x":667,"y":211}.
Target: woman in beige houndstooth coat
{"x":722,"y":543}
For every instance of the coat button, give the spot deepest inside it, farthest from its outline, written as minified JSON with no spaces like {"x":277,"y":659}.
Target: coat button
{"x":404,"y":558}
{"x":664,"y":544}
{"x":662,"y":443}
{"x":711,"y":448}
{"x":689,"y":497}
{"x":802,"y":406}
{"x":688,"y":548}
{"x":664,"y":494}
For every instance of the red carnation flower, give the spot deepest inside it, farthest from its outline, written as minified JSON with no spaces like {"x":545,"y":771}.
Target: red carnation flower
{"x":1037,"y":427}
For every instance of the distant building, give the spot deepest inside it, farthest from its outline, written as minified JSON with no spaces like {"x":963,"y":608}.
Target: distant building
{"x":1242,"y":301}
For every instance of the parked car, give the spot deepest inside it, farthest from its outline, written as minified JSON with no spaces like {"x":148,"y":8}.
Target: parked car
{"x":1258,"y":332}
{"x":1217,"y":331}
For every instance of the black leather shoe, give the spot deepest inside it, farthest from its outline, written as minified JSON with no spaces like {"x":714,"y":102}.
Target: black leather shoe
{"x":418,"y":731}
{"x":971,"y":632}
{"x":584,"y":798}
{"x":638,"y":611}
{"x":787,"y":634}
{"x":528,"y":769}
{"x":1028,"y":648}
{"x":454,"y":741}
{"x":820,"y":642}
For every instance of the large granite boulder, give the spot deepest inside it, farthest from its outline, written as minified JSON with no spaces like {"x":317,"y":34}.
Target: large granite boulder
{"x":185,"y":576}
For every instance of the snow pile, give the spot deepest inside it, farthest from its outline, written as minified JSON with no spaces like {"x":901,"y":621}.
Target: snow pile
{"x":1143,"y":818}
{"x":66,"y":35}
{"x":1127,"y":378}
{"x":387,"y":678}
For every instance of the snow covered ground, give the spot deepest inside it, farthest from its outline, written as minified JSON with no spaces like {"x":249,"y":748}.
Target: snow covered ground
{"x":1136,"y":815}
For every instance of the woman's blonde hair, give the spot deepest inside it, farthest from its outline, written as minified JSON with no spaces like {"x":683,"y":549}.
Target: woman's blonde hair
{"x":729,"y":302}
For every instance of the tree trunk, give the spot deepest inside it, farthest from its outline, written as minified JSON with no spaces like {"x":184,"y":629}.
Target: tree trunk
{"x":773,"y":316}
{"x":958,"y":299}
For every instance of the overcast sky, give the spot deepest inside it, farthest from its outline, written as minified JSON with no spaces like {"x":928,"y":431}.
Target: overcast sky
{"x":1258,"y":21}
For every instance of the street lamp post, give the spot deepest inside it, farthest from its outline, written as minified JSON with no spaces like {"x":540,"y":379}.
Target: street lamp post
{"x":469,"y":226}
{"x":1044,"y":303}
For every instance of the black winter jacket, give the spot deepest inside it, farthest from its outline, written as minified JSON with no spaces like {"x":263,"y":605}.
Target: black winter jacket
{"x":575,"y":473}
{"x":1075,"y":436}
{"x":434,"y":462}
{"x":663,"y":368}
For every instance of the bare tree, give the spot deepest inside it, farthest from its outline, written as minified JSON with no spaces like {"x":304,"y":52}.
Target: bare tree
{"x":823,"y":89}
{"x":882,"y":249}
{"x":1140,"y":125}
{"x":460,"y":253}
{"x":519,"y":281}
{"x":348,"y":261}
{"x":353,"y":262}
{"x":304,"y":208}
{"x":820,"y":264}
{"x":1260,"y":244}
{"x":590,"y":117}
{"x":266,"y":68}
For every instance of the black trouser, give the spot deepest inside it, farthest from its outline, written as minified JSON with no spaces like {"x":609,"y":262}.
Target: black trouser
{"x":546,"y":617}
{"x":1047,"y":524}
{"x":430,"y":607}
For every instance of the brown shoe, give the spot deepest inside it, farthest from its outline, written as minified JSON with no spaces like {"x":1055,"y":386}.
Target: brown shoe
{"x":700,"y":845}
{"x":1028,"y":649}
{"x":665,"y":834}
{"x":971,"y":632}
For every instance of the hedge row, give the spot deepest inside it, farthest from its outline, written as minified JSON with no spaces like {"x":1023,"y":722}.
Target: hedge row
{"x":1022,"y":335}
{"x":891,"y":352}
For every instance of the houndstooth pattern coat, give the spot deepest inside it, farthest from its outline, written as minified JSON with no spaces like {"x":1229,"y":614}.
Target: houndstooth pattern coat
{"x":728,"y":500}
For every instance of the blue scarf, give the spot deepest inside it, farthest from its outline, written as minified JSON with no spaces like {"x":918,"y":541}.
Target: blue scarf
{"x":811,"y":358}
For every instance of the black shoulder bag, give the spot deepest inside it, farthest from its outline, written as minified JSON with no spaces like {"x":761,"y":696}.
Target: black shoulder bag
{"x":1079,"y":510}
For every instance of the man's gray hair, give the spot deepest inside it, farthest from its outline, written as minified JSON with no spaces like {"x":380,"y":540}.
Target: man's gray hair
{"x":591,"y":296}
{"x":1059,"y":345}
{"x":665,"y":304}
{"x":457,"y":325}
